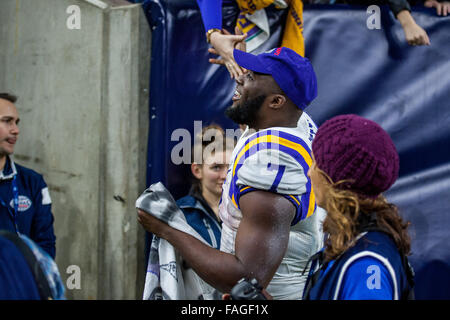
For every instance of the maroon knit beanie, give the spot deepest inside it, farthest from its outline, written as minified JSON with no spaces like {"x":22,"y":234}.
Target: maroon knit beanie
{"x":349,"y":147}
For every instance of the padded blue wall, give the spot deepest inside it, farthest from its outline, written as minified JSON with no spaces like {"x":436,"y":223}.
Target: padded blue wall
{"x":373,"y":73}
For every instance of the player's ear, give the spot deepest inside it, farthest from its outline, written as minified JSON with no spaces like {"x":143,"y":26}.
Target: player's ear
{"x":197,"y":170}
{"x":276,"y":101}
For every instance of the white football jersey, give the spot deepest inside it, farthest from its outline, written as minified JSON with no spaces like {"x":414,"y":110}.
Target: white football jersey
{"x":276,"y":159}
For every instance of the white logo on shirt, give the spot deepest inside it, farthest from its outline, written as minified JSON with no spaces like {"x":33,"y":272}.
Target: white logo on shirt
{"x":24,"y":203}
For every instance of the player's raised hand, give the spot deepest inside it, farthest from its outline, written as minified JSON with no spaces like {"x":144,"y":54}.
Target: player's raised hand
{"x":241,"y":45}
{"x":223,"y":45}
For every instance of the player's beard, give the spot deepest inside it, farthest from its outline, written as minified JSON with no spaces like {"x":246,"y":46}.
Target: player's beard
{"x":246,"y":113}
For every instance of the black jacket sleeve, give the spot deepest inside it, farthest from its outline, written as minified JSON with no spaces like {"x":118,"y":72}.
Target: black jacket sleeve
{"x":399,"y":5}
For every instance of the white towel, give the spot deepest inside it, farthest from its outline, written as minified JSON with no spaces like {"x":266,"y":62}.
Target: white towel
{"x":168,"y":277}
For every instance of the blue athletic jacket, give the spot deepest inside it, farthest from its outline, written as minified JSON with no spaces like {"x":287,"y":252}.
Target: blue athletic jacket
{"x":201,"y":217}
{"x":373,"y":269}
{"x":34,"y":217}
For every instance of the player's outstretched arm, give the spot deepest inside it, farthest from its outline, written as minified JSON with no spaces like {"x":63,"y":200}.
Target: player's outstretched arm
{"x":263,"y":234}
{"x":217,"y":268}
{"x":261,"y":241}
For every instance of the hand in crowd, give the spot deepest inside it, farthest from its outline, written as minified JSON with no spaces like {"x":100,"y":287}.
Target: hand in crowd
{"x":223,"y":45}
{"x":442,"y":8}
{"x":415,"y":35}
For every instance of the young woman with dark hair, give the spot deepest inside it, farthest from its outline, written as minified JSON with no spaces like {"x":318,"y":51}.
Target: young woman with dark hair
{"x":201,"y":205}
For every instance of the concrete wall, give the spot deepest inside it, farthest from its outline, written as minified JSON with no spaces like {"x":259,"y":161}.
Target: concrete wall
{"x":83,"y":103}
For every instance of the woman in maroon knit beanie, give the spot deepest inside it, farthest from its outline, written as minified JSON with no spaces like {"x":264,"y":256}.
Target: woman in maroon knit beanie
{"x":354,"y":162}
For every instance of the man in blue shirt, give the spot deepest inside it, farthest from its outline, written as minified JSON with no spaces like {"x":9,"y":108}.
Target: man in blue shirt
{"x":25,"y":204}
